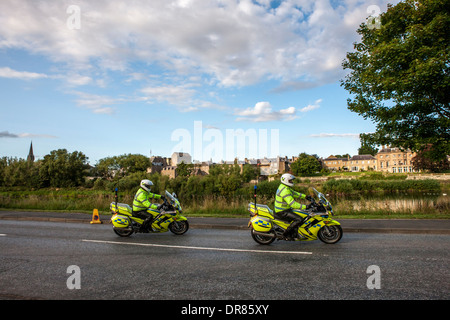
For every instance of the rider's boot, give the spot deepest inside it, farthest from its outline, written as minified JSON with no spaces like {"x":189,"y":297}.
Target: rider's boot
{"x":146,"y":224}
{"x":291,"y":231}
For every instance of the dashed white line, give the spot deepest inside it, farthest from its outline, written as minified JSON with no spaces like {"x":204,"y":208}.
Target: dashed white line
{"x":2,"y":235}
{"x":196,"y":248}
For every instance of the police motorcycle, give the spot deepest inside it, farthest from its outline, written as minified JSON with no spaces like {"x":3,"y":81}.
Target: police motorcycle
{"x":317,"y":223}
{"x":166,"y":217}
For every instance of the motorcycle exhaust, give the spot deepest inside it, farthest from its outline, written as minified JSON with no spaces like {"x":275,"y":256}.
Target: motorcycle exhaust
{"x":123,"y":229}
{"x":264,"y":234}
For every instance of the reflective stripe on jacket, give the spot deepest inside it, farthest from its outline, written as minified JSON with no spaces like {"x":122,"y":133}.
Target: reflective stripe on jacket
{"x":142,"y":200}
{"x":284,"y":199}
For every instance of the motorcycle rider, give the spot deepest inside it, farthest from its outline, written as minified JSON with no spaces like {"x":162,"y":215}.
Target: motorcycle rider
{"x":142,"y":203}
{"x":284,"y":203}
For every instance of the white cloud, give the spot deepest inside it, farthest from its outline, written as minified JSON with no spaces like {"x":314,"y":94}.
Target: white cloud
{"x":311,"y":107}
{"x":6,"y":134}
{"x":6,"y":72}
{"x":236,"y":43}
{"x":97,"y":103}
{"x":334,"y":135}
{"x":34,"y":135}
{"x":175,"y":95}
{"x":184,"y":97}
{"x":77,"y":80}
{"x":262,"y":112}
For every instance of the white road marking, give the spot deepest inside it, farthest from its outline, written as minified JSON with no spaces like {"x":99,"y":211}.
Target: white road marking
{"x":195,"y":248}
{"x":2,"y":235}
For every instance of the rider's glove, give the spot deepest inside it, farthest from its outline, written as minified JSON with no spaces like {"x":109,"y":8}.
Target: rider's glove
{"x":309,"y":198}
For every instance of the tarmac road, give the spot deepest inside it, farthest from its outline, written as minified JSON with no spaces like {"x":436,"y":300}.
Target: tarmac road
{"x":423,"y":226}
{"x":217,"y":264}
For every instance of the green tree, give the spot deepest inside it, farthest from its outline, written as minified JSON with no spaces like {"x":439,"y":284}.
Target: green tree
{"x":107,"y":167}
{"x":249,"y":172}
{"x":185,"y":169}
{"x":366,"y":147}
{"x":399,"y":77}
{"x":306,"y":165}
{"x":121,"y":166}
{"x":19,"y":172}
{"x":422,"y":162}
{"x":63,"y":169}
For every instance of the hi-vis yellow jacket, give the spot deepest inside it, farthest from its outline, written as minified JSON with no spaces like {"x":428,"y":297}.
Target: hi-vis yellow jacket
{"x":142,"y":200}
{"x":284,"y":199}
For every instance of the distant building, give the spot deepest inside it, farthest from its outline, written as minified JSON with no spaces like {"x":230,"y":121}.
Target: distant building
{"x":394,"y":160}
{"x":170,"y":171}
{"x":158,"y":163}
{"x":30,"y":157}
{"x":386,"y":160}
{"x":269,"y":166}
{"x":333,"y":163}
{"x":179,"y":157}
{"x":362,"y":162}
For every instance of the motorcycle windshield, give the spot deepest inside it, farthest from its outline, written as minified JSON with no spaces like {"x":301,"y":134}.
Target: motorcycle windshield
{"x":173,"y":201}
{"x":324,"y":201}
{"x":321,"y":197}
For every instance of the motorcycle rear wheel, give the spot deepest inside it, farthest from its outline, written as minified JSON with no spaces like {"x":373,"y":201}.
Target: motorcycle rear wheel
{"x":262,"y":239}
{"x":179,"y":227}
{"x":123,"y":232}
{"x":330,"y":234}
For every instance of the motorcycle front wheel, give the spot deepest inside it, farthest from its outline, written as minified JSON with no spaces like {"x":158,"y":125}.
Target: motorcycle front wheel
{"x":330,"y":234}
{"x":262,"y":239}
{"x":179,"y":227}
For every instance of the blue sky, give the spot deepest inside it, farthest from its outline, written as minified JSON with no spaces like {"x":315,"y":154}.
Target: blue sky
{"x":116,"y":77}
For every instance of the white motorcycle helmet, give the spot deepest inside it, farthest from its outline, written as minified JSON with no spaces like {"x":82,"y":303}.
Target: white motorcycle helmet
{"x":146,"y":184}
{"x":288,"y":179}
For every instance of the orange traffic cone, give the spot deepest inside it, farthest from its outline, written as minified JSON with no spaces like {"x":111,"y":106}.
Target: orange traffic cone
{"x":95,"y":217}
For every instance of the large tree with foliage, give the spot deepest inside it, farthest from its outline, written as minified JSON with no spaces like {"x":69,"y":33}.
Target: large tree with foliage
{"x":63,"y":169}
{"x":306,"y":165}
{"x":121,"y":166}
{"x":367,"y":148}
{"x":399,"y":77}
{"x":19,"y":172}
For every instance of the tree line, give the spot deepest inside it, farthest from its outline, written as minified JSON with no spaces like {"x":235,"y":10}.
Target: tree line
{"x":64,"y":169}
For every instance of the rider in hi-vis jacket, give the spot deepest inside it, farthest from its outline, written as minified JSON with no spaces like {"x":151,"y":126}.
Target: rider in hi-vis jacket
{"x":142,"y":203}
{"x":285,"y":202}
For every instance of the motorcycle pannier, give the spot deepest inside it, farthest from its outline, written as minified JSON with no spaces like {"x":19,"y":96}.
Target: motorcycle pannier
{"x":261,"y":224}
{"x":120,"y":221}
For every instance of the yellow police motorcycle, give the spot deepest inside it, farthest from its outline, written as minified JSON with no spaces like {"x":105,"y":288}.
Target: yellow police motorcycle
{"x":265,"y":227}
{"x":168,"y":217}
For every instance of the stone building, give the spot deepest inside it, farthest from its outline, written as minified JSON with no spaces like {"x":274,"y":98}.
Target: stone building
{"x":178,"y":157}
{"x":395,"y":160}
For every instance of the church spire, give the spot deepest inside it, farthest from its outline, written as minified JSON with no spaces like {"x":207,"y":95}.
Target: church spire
{"x":30,"y":157}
